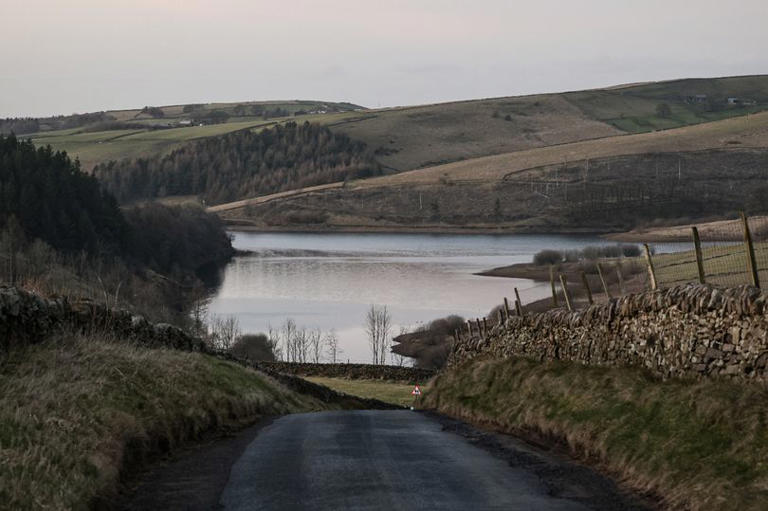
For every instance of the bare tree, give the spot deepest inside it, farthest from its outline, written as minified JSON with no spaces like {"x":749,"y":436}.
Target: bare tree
{"x":332,"y":345}
{"x":302,"y":345}
{"x":274,"y":338}
{"x":224,"y":332}
{"x":315,"y":337}
{"x":378,"y":324}
{"x":288,"y":335}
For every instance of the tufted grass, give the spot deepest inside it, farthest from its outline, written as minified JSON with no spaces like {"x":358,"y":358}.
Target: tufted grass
{"x":697,"y":444}
{"x":77,"y":412}
{"x":396,"y":393}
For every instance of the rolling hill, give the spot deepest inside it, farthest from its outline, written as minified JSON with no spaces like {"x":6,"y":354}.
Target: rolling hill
{"x":607,"y":184}
{"x":414,"y":137}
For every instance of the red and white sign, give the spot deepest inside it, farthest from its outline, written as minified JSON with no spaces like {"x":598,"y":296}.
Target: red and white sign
{"x":416,"y":391}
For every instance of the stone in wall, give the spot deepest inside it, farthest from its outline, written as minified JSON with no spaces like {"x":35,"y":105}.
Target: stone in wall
{"x":689,"y":330}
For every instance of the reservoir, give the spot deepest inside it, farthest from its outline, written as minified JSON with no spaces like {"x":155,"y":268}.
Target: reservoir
{"x":330,"y":280}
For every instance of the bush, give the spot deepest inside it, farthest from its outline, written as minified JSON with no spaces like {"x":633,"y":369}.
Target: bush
{"x":254,"y":347}
{"x":547,"y":257}
{"x":630,"y":250}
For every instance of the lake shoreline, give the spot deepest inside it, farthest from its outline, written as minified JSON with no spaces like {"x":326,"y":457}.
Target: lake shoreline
{"x":366,"y":229}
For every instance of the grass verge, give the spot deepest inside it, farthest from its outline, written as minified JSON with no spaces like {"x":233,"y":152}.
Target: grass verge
{"x":78,"y":412}
{"x":396,"y":393}
{"x":698,"y":444}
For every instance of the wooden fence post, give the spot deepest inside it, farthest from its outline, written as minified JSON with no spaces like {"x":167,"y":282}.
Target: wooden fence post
{"x":621,"y":278}
{"x":518,"y":303}
{"x":506,"y":307}
{"x":751,"y":262}
{"x":566,"y":294}
{"x":699,"y":258}
{"x":485,"y":326}
{"x":552,"y":285}
{"x":586,"y":287}
{"x":469,"y":328}
{"x":651,"y":269}
{"x":602,"y":280}
{"x":480,"y":332}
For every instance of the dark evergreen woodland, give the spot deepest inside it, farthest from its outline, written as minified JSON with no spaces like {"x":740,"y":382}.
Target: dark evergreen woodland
{"x":55,"y":201}
{"x":52,"y":200}
{"x":242,"y":164}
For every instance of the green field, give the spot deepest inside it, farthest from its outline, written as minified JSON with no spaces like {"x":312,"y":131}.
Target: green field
{"x":414,"y":137}
{"x":427,"y":135}
{"x":397,"y":393}
{"x":724,"y":265}
{"x":102,"y":146}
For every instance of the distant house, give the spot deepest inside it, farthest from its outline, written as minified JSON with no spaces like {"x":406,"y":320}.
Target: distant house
{"x":741,"y":101}
{"x":185,"y":122}
{"x":696,"y":98}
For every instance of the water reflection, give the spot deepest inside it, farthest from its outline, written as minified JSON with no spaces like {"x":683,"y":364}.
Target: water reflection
{"x":329,"y":280}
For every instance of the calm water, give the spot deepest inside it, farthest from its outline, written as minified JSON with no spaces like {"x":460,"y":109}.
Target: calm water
{"x":330,"y":280}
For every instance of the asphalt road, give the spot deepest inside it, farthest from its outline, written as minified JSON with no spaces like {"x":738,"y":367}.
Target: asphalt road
{"x":380,"y":460}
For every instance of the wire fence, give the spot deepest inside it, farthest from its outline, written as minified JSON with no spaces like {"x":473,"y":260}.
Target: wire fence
{"x":726,"y":254}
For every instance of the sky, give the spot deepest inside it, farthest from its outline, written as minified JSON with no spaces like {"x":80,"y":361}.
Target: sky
{"x":68,"y":56}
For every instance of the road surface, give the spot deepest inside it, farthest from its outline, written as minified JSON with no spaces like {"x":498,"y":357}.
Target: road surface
{"x":378,"y":460}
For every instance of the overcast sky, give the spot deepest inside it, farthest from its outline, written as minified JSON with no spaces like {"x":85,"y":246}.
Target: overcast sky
{"x":65,"y":56}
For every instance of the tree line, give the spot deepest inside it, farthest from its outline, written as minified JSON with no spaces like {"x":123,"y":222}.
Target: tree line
{"x":242,"y":164}
{"x":26,"y":125}
{"x":61,"y":232}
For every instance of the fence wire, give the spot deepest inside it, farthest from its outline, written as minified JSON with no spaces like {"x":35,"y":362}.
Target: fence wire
{"x":724,"y":262}
{"x":724,"y":255}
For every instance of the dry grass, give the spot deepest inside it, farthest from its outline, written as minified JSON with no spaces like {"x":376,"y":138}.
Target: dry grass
{"x":749,"y":131}
{"x":397,"y":393}
{"x":75,"y":412}
{"x":532,"y":163}
{"x":420,"y":136}
{"x":719,"y":230}
{"x":700,"y":445}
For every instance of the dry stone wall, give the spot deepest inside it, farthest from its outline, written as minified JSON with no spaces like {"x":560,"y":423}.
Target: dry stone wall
{"x":690,"y":330}
{"x":353,"y":371}
{"x":26,"y":318}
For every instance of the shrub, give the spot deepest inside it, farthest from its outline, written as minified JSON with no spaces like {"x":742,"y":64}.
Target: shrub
{"x":254,"y":347}
{"x":547,"y":257}
{"x":630,"y":250}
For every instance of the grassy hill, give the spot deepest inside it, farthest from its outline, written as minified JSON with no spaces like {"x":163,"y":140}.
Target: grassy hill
{"x":414,"y":137}
{"x":696,"y":444}
{"x":130,"y":133}
{"x":702,"y":170}
{"x":80,"y":413}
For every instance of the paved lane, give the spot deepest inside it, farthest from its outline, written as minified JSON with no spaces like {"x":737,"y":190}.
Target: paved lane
{"x":376,"y":460}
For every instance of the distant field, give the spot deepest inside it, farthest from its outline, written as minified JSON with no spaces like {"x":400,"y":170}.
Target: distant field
{"x":428,"y":135}
{"x":739,"y":132}
{"x":101,"y":146}
{"x":534,"y":190}
{"x":407,"y":138}
{"x":389,"y":392}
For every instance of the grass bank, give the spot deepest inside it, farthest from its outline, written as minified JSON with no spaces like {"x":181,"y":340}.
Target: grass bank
{"x":698,"y":444}
{"x":396,"y":393}
{"x":76,"y":413}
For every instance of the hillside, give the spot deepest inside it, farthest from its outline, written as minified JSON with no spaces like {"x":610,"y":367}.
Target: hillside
{"x":408,"y":138}
{"x":90,"y":395}
{"x":114,"y":135}
{"x":420,"y":136}
{"x":612,"y":183}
